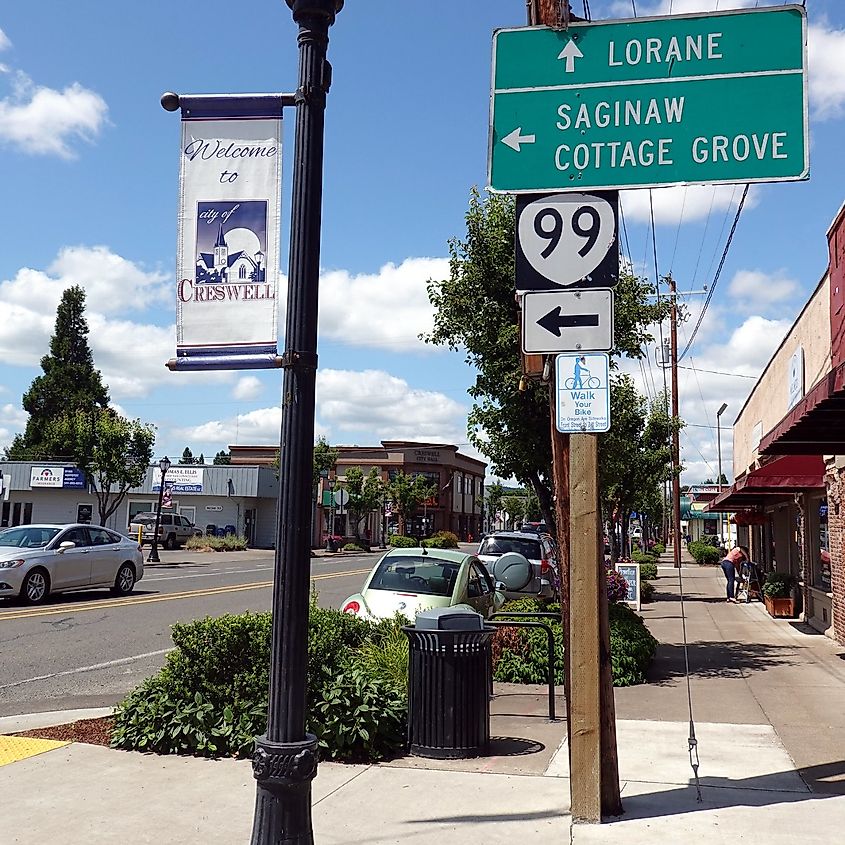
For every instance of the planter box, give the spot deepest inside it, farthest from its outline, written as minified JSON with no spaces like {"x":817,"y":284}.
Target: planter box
{"x":780,"y":608}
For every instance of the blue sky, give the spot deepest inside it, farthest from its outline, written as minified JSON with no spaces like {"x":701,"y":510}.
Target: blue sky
{"x":90,"y":185}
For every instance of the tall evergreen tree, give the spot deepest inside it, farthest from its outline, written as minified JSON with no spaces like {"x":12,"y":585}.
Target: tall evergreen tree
{"x":70,"y":381}
{"x":187,"y":456}
{"x":222,"y":458}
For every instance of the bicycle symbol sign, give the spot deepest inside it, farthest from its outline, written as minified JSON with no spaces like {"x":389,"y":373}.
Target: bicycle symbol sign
{"x":583,"y":394}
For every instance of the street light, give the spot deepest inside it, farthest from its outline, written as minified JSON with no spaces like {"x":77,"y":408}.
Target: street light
{"x":719,"y":451}
{"x":163,"y":465}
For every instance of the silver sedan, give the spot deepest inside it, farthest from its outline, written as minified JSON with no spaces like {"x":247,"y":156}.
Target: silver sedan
{"x":36,"y":560}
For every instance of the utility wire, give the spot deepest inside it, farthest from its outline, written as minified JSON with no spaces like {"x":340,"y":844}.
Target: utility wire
{"x":718,"y":274}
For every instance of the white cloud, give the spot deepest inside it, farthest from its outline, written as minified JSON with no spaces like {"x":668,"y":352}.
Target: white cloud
{"x":12,"y":420}
{"x":826,"y":60}
{"x":44,"y":121}
{"x":388,"y":309}
{"x":693,"y":202}
{"x":623,"y":8}
{"x":352,"y":407}
{"x":4,"y":41}
{"x":248,"y":388}
{"x":756,"y":290}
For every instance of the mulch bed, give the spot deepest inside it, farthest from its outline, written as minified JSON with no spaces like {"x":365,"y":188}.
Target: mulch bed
{"x":92,"y":731}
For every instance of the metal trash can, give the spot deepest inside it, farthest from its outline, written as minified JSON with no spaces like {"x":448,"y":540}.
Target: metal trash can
{"x":448,"y":684}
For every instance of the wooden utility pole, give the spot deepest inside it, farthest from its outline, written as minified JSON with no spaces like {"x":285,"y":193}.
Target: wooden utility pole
{"x":676,"y":450}
{"x":591,"y":713}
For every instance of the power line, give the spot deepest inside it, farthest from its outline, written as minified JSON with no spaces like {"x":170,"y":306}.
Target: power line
{"x":718,"y":273}
{"x":718,"y":372}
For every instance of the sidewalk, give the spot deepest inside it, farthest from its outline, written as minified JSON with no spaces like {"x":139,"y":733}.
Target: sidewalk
{"x":767,"y":700}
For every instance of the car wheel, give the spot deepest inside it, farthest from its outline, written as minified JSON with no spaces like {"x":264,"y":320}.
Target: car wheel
{"x":35,"y":587}
{"x":124,"y":582}
{"x":170,"y":542}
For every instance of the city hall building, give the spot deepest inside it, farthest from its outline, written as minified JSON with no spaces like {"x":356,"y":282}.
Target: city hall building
{"x":788,"y":498}
{"x":238,"y":498}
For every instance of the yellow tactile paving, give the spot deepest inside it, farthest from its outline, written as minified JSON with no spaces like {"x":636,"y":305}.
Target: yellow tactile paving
{"x":14,"y":748}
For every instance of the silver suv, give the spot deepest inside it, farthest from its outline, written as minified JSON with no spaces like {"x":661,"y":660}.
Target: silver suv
{"x":173,"y":530}
{"x":538,"y":548}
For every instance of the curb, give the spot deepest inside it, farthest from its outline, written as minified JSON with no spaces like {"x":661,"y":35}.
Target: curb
{"x":49,"y":719}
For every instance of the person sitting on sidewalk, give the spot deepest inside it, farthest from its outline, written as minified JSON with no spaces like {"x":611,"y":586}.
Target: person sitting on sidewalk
{"x":732,"y":560}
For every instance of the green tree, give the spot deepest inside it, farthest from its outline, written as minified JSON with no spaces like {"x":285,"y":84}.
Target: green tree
{"x":187,"y":456}
{"x":493,"y":505}
{"x":200,"y":459}
{"x":365,"y":493}
{"x":222,"y":459}
{"x":514,"y":507}
{"x":476,"y":312}
{"x":325,"y":458}
{"x":69,"y":382}
{"x":112,"y":451}
{"x":407,"y":493}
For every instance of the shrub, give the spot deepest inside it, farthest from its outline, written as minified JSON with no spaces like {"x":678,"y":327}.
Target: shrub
{"x":632,"y":646}
{"x":354,"y":547}
{"x":519,"y":654}
{"x":441,"y":540}
{"x":229,"y":543}
{"x":400,"y":542}
{"x":658,"y":548}
{"x":703,"y":553}
{"x":648,"y":570}
{"x":210,"y":698}
{"x":617,"y":586}
{"x":778,"y":585}
{"x":646,"y":592}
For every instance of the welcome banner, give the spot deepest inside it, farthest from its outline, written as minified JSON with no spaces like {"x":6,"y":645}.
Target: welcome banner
{"x":228,"y":247}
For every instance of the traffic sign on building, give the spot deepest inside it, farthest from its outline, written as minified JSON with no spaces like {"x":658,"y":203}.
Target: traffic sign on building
{"x":567,"y":321}
{"x":689,"y":99}
{"x":583,"y":393}
{"x":567,"y":241}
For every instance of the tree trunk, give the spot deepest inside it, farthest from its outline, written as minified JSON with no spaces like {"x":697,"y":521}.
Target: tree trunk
{"x":544,"y":496}
{"x":624,"y":525}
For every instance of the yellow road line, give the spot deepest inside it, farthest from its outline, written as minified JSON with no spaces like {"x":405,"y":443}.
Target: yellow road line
{"x":127,"y":602}
{"x":14,"y":748}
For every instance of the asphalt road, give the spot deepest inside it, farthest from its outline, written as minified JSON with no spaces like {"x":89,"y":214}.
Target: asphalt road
{"x":89,"y":649}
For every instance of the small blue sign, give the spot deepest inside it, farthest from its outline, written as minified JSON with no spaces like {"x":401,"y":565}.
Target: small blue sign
{"x":73,"y":479}
{"x":630,"y":572}
{"x":583,"y":392}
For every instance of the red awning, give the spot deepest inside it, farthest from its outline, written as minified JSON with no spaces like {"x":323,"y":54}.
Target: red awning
{"x":776,"y":481}
{"x":816,"y":425}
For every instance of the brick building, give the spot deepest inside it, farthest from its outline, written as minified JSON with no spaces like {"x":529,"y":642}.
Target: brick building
{"x":789,"y":453}
{"x":457,"y":506}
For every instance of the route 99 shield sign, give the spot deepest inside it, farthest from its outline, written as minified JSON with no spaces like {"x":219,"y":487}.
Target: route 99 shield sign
{"x":566,"y":241}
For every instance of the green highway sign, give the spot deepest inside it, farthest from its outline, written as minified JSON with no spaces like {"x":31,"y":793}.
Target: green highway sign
{"x":689,"y":99}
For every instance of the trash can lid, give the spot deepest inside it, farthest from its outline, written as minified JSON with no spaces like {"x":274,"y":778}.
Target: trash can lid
{"x":449,"y":619}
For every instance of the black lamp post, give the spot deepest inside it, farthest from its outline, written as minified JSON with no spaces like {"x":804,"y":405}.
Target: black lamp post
{"x":285,"y":758}
{"x":163,"y":465}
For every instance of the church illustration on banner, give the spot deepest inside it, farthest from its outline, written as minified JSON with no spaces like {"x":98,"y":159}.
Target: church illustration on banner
{"x":237,"y":255}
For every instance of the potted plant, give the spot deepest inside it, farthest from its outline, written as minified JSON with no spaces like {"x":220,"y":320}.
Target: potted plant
{"x":778,"y":595}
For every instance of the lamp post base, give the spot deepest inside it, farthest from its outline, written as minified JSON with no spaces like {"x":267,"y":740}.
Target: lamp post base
{"x":284,"y":771}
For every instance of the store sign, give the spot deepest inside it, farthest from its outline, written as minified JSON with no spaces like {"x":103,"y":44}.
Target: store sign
{"x":427,"y":456}
{"x":69,"y":478}
{"x":180,"y":479}
{"x":631,"y":573}
{"x":796,"y":378}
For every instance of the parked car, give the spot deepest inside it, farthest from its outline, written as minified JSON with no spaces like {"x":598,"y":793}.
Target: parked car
{"x":173,"y":530}
{"x":534,"y":528}
{"x":37,"y":560}
{"x":408,"y":581}
{"x":540,"y":551}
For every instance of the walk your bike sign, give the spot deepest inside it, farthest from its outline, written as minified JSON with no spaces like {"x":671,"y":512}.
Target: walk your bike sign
{"x":583,"y":394}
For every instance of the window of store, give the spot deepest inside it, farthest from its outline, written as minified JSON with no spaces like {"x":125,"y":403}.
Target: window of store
{"x":139,"y":506}
{"x":16,"y":513}
{"x":818,"y":543}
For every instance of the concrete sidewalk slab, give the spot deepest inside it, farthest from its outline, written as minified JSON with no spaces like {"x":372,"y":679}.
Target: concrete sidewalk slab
{"x":33,"y":721}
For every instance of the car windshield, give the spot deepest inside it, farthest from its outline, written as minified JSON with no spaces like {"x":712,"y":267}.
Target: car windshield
{"x":500,"y":545}
{"x":417,"y":575}
{"x":27,"y":537}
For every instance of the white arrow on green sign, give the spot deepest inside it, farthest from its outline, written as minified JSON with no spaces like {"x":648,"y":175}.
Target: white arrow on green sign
{"x":689,"y":99}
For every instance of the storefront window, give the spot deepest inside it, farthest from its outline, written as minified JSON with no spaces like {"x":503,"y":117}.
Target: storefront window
{"x":824,"y":549}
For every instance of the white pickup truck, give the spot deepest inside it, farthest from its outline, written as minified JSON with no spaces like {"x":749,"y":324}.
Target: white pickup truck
{"x":173,"y":530}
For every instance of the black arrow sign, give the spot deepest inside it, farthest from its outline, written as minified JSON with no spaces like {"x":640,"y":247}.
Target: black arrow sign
{"x":554,"y":321}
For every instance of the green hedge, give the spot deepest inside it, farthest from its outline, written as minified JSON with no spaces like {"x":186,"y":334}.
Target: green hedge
{"x":210,"y":698}
{"x":441,"y":540}
{"x":704,"y":553}
{"x":648,"y":570}
{"x":229,"y":543}
{"x":519,"y":655}
{"x":658,"y":549}
{"x":354,"y":547}
{"x":400,"y":542}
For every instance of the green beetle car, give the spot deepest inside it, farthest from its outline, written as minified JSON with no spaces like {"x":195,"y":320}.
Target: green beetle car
{"x":408,"y":581}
